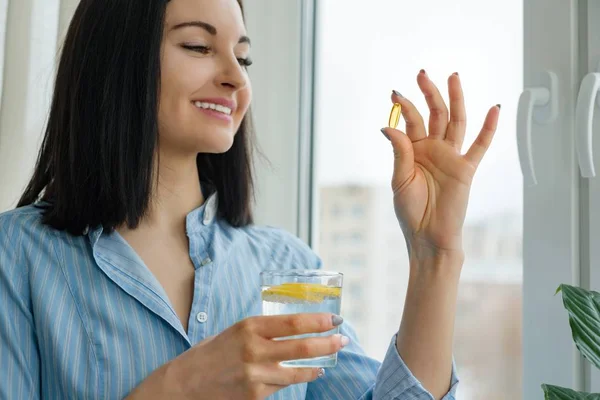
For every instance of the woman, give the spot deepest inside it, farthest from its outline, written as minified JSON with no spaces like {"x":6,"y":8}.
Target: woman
{"x":130,"y":267}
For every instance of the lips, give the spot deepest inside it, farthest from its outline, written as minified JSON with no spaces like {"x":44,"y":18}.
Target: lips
{"x":220,"y":104}
{"x":206,"y":105}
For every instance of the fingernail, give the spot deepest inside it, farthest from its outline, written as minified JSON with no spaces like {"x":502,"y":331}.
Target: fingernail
{"x":321,"y":373}
{"x":456,"y":73}
{"x":385,"y":134}
{"x":499,"y":105}
{"x":423,"y":72}
{"x":397,"y":93}
{"x":336,"y":320}
{"x":344,"y":340}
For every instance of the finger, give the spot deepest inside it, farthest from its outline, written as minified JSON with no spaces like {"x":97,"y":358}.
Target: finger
{"x":295,"y":349}
{"x":275,"y":374}
{"x":484,"y":139}
{"x":457,"y":127}
{"x":404,"y":156}
{"x":415,"y":127}
{"x":438,"y":112}
{"x":275,"y":326}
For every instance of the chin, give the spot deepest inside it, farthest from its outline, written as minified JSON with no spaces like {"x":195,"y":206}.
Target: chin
{"x":219,"y":145}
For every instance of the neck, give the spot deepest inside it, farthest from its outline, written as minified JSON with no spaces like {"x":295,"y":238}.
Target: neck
{"x":175,"y":195}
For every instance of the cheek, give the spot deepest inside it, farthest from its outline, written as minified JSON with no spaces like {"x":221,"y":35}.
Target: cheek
{"x":171,"y":90}
{"x":244,"y":99}
{"x":180,"y":77}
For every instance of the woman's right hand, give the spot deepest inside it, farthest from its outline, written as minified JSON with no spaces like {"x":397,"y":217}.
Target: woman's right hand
{"x":242,"y":362}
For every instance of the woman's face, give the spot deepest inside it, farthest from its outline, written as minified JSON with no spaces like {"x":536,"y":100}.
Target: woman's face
{"x":204,"y":91}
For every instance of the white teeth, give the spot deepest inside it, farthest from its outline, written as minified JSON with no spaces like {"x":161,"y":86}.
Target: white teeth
{"x":212,"y":106}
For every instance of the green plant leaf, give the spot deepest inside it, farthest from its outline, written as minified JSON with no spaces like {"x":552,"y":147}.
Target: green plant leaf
{"x":559,"y":393}
{"x":583,"y":307}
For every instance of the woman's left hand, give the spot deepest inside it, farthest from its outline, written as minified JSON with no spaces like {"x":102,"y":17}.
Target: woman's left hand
{"x":432,"y":179}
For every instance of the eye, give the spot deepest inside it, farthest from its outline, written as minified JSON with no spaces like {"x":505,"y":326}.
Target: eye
{"x":245,"y":62}
{"x":197,"y":49}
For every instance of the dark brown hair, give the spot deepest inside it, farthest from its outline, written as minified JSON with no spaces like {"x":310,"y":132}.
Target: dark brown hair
{"x":96,"y":163}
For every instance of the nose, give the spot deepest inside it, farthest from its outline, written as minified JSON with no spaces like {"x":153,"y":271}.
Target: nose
{"x":232,"y":75}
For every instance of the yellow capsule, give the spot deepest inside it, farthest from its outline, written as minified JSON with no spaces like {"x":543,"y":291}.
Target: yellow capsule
{"x":395,"y":115}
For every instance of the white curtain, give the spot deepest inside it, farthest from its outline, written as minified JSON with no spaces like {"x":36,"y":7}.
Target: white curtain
{"x":30,"y":31}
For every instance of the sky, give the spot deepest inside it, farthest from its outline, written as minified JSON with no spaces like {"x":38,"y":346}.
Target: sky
{"x":365,"y":52}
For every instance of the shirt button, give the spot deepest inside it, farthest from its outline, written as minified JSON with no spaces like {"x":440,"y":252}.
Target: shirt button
{"x":206,"y":261}
{"x":201,"y":317}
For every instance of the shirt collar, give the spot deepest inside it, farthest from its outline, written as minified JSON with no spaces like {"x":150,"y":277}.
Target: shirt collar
{"x":204,"y":215}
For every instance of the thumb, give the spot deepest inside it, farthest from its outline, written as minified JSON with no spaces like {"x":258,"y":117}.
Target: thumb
{"x":404,"y":156}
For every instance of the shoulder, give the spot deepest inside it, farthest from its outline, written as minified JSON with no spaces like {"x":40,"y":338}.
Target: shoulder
{"x":15,"y":226}
{"x":23,"y":223}
{"x":23,"y":237}
{"x":283,"y":247}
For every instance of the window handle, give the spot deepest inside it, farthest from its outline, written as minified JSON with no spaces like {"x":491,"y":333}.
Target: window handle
{"x":539,"y":103}
{"x":584,"y":117}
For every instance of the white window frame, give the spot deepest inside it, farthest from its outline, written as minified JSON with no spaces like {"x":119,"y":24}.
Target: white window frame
{"x":281,"y":119}
{"x":562,"y":218}
{"x":31,"y":44}
{"x":589,"y":33}
{"x":3,"y":17}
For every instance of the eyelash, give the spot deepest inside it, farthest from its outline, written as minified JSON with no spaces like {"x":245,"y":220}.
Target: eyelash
{"x":244,"y":62}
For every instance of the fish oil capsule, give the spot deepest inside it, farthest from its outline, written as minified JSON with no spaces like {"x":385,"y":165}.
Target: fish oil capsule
{"x":395,"y":115}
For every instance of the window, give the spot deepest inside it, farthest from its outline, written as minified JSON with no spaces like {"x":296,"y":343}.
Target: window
{"x":354,"y":290}
{"x":336,"y":211}
{"x":500,"y":48}
{"x":356,"y":70}
{"x":3,"y":15}
{"x":356,"y":262}
{"x":358,"y":211}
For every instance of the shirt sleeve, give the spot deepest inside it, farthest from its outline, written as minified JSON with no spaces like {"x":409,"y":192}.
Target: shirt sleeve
{"x":358,"y":376}
{"x":395,"y":381}
{"x":19,"y":374}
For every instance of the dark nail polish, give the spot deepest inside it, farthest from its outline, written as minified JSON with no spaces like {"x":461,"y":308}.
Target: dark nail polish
{"x":499,"y":105}
{"x":397,"y":93}
{"x":456,"y":73}
{"x":423,"y":72}
{"x":385,"y":134}
{"x":336,"y":320}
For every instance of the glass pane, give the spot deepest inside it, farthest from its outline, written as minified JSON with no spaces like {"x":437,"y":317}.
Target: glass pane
{"x":363,"y":52}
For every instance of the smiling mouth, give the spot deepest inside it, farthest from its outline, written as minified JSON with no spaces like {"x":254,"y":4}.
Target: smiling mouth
{"x":214,"y":107}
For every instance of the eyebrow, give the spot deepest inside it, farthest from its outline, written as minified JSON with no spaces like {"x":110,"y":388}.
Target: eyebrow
{"x":207,"y":27}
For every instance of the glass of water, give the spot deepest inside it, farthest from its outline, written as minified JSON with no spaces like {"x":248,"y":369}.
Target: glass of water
{"x":303,"y":291}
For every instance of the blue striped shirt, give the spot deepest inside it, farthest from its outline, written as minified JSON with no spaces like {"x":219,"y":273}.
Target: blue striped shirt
{"x":83,"y":317}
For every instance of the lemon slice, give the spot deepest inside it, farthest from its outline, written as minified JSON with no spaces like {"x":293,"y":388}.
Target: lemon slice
{"x":292,"y":292}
